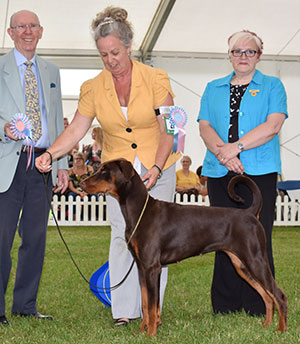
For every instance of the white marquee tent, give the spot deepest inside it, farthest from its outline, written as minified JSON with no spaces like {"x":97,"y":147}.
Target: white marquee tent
{"x":187,"y":38}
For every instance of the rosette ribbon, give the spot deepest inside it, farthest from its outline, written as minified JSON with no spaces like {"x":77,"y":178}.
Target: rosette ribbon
{"x":21,"y":128}
{"x":178,"y":119}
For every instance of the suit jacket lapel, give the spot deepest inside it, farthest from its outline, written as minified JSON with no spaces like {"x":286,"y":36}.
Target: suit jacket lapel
{"x":12,"y":78}
{"x":45,"y":80}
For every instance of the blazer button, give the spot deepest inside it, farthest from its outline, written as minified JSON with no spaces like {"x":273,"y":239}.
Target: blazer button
{"x":129,"y":130}
{"x":134,"y":145}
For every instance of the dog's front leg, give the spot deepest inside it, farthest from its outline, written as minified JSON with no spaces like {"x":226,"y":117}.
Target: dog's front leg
{"x":152,"y":285}
{"x":145,"y":321}
{"x":150,"y":300}
{"x":144,"y":292}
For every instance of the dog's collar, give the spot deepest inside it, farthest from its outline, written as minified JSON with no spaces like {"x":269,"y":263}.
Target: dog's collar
{"x":139,"y":219}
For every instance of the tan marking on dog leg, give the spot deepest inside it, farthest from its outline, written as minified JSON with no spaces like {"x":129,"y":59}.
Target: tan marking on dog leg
{"x":135,"y":246}
{"x":145,"y":321}
{"x":281,"y":307}
{"x":282,"y":325}
{"x":276,"y":297}
{"x":159,"y":322}
{"x":152,"y":326}
{"x":268,"y":300}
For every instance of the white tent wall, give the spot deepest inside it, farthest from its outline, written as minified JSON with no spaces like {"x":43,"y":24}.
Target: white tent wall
{"x":195,"y":29}
{"x":189,"y":78}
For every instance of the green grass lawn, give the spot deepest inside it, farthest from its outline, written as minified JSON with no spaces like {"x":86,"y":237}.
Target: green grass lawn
{"x":79,"y":317}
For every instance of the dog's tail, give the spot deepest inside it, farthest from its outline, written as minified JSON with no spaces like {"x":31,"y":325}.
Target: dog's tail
{"x":256,"y":205}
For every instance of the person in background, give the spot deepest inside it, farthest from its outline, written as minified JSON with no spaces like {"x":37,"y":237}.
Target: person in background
{"x":77,"y":173}
{"x":203,"y":183}
{"x":187,"y":181}
{"x":133,"y":122}
{"x":240,"y":118}
{"x":75,"y":148}
{"x":93,"y":151}
{"x":28,"y":85}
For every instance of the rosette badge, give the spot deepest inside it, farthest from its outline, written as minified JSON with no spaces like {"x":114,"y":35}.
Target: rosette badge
{"x":178,"y":119}
{"x":20,"y":127}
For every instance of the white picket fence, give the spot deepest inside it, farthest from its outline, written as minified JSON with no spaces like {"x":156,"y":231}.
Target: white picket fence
{"x":93,"y":212}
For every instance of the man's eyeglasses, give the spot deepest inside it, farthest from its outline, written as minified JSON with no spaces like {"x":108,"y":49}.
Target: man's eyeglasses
{"x":23,"y":27}
{"x":239,"y":52}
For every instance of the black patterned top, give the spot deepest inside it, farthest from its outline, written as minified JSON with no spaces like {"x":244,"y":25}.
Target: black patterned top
{"x":236,"y":95}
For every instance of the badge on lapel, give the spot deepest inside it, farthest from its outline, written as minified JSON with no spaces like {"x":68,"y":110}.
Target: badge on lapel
{"x":253,"y":92}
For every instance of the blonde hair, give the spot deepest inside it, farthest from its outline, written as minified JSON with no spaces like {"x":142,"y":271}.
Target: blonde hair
{"x":98,"y":135}
{"x":234,"y":38}
{"x":113,"y":21}
{"x":186,"y":157}
{"x":79,"y":155}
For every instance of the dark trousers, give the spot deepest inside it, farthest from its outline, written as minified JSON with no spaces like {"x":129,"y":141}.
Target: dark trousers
{"x":25,"y":199}
{"x":229,"y":292}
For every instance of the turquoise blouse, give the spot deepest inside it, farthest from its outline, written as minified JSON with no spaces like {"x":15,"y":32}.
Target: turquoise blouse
{"x":265,"y":95}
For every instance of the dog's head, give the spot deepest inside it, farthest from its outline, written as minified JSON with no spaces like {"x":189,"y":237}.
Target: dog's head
{"x":110,"y":176}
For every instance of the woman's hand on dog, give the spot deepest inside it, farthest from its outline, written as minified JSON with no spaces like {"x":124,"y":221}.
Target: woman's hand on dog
{"x":151,"y":177}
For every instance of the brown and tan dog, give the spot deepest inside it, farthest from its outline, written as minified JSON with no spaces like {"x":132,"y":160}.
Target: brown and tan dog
{"x":169,"y":232}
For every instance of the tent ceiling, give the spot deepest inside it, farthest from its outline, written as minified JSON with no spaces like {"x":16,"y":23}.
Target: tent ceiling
{"x":186,"y":28}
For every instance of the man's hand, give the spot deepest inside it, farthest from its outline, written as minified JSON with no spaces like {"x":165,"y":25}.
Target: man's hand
{"x":9,"y":133}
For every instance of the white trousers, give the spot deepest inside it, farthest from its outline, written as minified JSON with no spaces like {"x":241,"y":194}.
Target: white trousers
{"x":126,"y":299}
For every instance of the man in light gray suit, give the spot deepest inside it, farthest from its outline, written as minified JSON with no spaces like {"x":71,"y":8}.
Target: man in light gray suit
{"x":22,"y":191}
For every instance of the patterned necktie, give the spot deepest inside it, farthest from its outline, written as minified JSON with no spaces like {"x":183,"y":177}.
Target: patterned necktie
{"x":32,"y":103}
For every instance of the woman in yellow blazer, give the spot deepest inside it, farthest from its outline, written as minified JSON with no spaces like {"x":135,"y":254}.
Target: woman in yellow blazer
{"x":124,"y":97}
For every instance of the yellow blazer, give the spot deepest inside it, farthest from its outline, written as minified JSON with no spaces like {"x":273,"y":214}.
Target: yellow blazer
{"x":140,"y":134}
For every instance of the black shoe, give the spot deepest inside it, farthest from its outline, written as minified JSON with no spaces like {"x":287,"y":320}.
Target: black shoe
{"x":36,"y":315}
{"x":3,"y":320}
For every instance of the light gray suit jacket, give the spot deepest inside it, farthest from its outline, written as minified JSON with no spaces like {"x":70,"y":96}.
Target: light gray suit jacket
{"x":12,"y":102}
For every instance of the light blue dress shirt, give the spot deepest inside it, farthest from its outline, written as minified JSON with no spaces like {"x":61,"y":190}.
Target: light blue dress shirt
{"x":44,"y":141}
{"x":265,"y":95}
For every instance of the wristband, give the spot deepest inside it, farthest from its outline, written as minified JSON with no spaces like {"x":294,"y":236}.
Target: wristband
{"x":51,"y":158}
{"x":159,"y":170}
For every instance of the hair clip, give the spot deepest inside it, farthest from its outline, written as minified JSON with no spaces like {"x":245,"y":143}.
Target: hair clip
{"x":106,"y":21}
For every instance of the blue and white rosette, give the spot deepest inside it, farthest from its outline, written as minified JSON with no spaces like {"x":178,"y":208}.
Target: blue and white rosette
{"x":20,"y":127}
{"x":178,"y":119}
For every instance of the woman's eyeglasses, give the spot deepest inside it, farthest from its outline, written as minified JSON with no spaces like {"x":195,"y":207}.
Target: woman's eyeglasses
{"x":239,"y":52}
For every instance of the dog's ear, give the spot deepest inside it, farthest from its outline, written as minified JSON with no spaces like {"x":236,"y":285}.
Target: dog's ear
{"x":127,"y":169}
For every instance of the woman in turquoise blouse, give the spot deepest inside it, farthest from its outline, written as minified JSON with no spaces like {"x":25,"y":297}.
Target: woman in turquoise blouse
{"x":240,"y":118}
